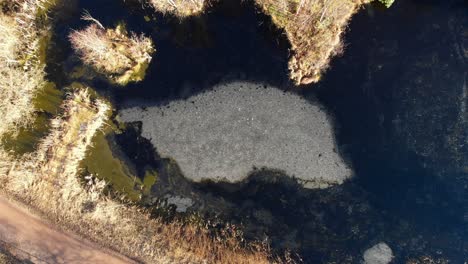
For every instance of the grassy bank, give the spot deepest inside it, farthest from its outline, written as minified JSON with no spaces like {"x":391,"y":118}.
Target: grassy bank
{"x":47,"y":180}
{"x":25,"y":34}
{"x":314,"y":29}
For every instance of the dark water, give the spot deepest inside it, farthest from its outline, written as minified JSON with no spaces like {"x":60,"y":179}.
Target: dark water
{"x":397,"y":98}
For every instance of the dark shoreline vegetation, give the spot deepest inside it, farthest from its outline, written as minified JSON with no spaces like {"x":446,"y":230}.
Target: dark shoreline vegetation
{"x":392,"y":95}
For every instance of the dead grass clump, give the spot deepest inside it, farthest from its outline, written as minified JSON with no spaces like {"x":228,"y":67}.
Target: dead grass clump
{"x":17,"y":90}
{"x":24,"y":36}
{"x":47,"y":180}
{"x":180,"y":8}
{"x":9,"y":39}
{"x":314,"y":29}
{"x":20,"y":79}
{"x":120,"y":56}
{"x":6,"y":257}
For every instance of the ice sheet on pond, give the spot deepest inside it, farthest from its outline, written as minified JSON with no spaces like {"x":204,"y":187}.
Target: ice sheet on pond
{"x":222,"y":134}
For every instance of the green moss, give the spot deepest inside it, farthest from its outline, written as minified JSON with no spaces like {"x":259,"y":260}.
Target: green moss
{"x":136,"y":74}
{"x":104,"y":164}
{"x":49,"y":99}
{"x":45,"y":7}
{"x":44,"y":42}
{"x":150,"y":179}
{"x":107,"y":162}
{"x":387,"y":3}
{"x":25,"y":139}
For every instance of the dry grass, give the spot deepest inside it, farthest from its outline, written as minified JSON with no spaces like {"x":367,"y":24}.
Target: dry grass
{"x":114,"y":52}
{"x":314,"y":29}
{"x":179,"y":8}
{"x":6,"y":257}
{"x":17,"y":90}
{"x":16,"y":87}
{"x":9,"y":39}
{"x":23,"y":36}
{"x":47,"y":180}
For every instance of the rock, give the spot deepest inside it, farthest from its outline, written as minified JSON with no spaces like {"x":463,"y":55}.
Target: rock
{"x":222,"y":134}
{"x":378,"y":254}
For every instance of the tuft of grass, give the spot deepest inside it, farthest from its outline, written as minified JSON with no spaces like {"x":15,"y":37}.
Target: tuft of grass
{"x":180,"y":8}
{"x":314,"y":29}
{"x":122,"y":56}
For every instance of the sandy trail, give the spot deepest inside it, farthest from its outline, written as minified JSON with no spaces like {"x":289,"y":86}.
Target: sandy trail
{"x":31,"y":239}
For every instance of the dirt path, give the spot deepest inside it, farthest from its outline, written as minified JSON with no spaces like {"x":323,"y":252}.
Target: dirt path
{"x":32,"y":239}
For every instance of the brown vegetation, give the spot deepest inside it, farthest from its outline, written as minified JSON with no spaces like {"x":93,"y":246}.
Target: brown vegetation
{"x":17,"y":85}
{"x":23,"y":38}
{"x":47,"y":180}
{"x":120,"y":56}
{"x":6,"y":257}
{"x":180,"y":8}
{"x":314,"y":29}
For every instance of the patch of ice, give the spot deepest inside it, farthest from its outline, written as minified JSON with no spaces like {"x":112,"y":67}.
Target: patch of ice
{"x":222,"y":134}
{"x":182,"y":204}
{"x":378,"y":254}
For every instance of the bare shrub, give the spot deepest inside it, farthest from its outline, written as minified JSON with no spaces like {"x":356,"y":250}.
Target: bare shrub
{"x":114,"y":52}
{"x":314,"y":29}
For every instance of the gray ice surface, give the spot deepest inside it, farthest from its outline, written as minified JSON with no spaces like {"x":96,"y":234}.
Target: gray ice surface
{"x":224,"y":133}
{"x":182,"y":204}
